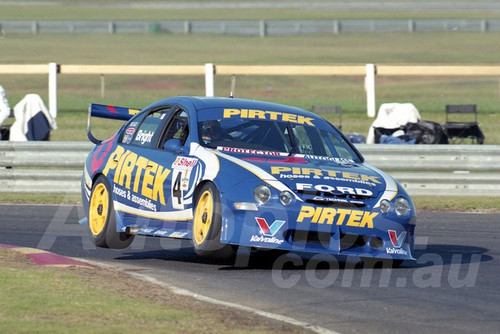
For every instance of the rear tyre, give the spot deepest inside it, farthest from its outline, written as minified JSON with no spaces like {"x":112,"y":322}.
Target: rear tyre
{"x":207,"y":223}
{"x":102,"y":221}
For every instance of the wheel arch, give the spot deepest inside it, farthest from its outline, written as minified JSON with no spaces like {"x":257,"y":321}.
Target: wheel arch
{"x":200,"y":186}
{"x":111,"y":194}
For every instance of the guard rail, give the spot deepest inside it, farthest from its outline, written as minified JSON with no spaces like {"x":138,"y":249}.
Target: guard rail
{"x":251,"y":27}
{"x":437,"y":170}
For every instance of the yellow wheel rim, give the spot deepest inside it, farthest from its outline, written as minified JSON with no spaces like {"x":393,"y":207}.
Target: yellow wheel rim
{"x":98,"y":212}
{"x":203,"y":217}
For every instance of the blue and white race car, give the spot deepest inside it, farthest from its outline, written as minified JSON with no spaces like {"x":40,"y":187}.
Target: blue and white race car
{"x":227,"y":172}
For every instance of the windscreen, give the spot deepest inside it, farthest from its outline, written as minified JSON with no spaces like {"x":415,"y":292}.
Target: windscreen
{"x":291,"y":137}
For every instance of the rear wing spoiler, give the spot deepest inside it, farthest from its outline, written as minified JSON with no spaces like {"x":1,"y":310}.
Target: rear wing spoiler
{"x":106,"y":111}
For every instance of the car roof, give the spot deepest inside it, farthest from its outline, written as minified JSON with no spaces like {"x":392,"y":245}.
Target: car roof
{"x":200,"y":103}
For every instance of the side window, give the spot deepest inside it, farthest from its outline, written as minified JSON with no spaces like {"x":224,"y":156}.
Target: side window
{"x":337,"y":147}
{"x":131,"y":129}
{"x":147,"y":132}
{"x":178,"y":128}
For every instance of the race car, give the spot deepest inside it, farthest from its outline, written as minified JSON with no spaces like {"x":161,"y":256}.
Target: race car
{"x":228,"y":173}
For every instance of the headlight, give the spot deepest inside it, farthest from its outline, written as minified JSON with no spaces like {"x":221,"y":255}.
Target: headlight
{"x":286,"y":198}
{"x":385,"y":206}
{"x":262,"y":194}
{"x":402,"y":206}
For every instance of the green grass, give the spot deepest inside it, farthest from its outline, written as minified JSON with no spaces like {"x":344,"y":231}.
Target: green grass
{"x":36,"y":299}
{"x":70,"y":11}
{"x":429,"y":94}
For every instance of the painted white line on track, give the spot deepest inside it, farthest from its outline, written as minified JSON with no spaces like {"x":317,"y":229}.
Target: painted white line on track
{"x":187,"y":293}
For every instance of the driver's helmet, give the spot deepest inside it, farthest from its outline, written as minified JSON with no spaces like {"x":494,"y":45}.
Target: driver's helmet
{"x":211,"y":131}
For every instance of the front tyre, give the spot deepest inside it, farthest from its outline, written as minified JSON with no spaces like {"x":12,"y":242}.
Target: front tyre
{"x":102,"y":221}
{"x":207,"y":224}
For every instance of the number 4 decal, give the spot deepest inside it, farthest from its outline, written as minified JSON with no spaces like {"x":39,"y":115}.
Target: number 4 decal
{"x":177,"y":200}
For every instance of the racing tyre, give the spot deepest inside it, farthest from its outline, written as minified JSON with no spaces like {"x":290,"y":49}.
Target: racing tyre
{"x":102,"y":223}
{"x":207,"y":222}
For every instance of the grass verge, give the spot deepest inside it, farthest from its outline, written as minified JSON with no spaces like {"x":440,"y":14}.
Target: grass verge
{"x":456,"y":204}
{"x":36,"y":299}
{"x":429,"y":94}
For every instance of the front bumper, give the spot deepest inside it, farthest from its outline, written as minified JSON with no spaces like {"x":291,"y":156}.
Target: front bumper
{"x":318,"y":229}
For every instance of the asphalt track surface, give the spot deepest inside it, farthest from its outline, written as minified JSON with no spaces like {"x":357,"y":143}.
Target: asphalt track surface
{"x":453,"y":286}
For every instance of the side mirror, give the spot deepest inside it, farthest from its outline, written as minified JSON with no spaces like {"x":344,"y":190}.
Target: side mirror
{"x":173,"y":145}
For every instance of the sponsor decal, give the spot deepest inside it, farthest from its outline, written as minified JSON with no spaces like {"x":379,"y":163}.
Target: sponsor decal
{"x":267,"y":240}
{"x":184,"y":163}
{"x":268,"y":231}
{"x":182,"y":168}
{"x":324,"y":174}
{"x":268,"y":115}
{"x":101,"y":154}
{"x":130,"y":111}
{"x":250,"y":151}
{"x":397,"y":242}
{"x":279,"y":160}
{"x":144,"y":136}
{"x":178,"y":234}
{"x":161,"y":233}
{"x":125,"y":194}
{"x":144,"y":202}
{"x":330,"y":216}
{"x":127,"y":138}
{"x":141,"y":176}
{"x":340,"y":161}
{"x":130,"y":131}
{"x":333,"y":189}
{"x":336,"y":200}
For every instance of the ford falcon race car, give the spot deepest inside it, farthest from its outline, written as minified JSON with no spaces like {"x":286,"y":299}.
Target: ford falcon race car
{"x":227,"y":172}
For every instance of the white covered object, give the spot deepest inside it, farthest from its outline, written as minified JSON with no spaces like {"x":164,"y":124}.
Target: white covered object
{"x":24,"y":111}
{"x":393,"y":116}
{"x":4,"y":106}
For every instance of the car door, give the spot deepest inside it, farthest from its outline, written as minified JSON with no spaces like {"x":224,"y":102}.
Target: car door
{"x":161,"y":178}
{"x":139,"y":171}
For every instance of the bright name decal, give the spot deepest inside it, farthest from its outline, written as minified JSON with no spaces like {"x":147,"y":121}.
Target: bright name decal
{"x":268,"y":115}
{"x":144,"y":136}
{"x":347,"y":217}
{"x":138,"y":174}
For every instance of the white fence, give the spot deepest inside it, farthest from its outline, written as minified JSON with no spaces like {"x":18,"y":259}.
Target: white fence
{"x":430,"y":170}
{"x":369,"y":71}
